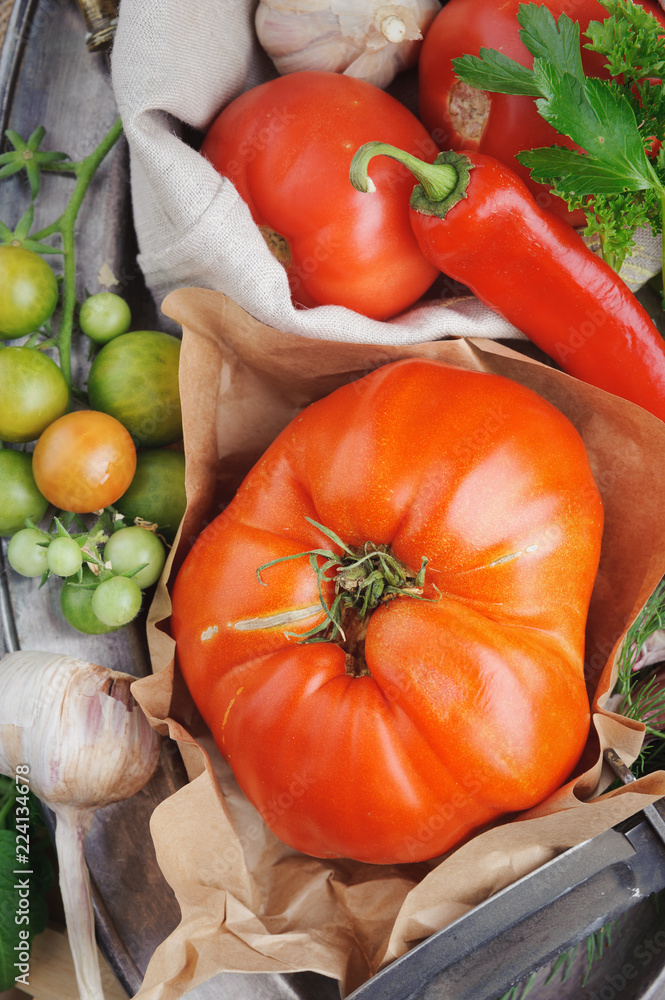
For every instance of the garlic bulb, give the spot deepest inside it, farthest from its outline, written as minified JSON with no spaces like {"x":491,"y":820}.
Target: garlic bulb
{"x":370,"y":40}
{"x":72,"y":733}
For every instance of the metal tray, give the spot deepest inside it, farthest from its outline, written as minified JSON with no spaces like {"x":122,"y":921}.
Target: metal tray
{"x":47,"y":76}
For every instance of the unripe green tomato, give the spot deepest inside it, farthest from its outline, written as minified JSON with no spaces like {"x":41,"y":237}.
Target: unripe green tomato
{"x":157,"y":491}
{"x":19,"y":495}
{"x":33,"y":391}
{"x":130,"y":548}
{"x":64,"y":556}
{"x":116,"y":601}
{"x":29,"y":292}
{"x":134,"y":378}
{"x":104,"y":316}
{"x":76,"y":606}
{"x":26,"y":553}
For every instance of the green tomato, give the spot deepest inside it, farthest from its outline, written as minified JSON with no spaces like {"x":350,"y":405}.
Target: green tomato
{"x":64,"y":556}
{"x":117,"y":600}
{"x":29,"y":292}
{"x":19,"y":496}
{"x":104,"y":316}
{"x":76,"y":605}
{"x":34,"y":393}
{"x":134,"y":378}
{"x":26,"y":552}
{"x":157,"y":492}
{"x":129,"y":548}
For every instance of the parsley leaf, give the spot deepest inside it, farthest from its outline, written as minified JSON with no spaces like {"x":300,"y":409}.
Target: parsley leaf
{"x":557,"y":45}
{"x":491,"y":70}
{"x":598,"y":117}
{"x":614,"y":175}
{"x":631,"y":39}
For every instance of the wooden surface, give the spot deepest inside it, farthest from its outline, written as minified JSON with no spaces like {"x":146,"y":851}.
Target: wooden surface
{"x":67,"y":87}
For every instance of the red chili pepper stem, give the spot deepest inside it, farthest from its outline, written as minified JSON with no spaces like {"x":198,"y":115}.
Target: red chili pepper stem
{"x":440,"y":184}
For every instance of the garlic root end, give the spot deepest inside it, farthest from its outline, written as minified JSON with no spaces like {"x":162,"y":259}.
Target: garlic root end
{"x":70,"y":832}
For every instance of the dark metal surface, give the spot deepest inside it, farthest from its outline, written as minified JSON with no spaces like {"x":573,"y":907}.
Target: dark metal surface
{"x":527,"y":925}
{"x":47,"y":76}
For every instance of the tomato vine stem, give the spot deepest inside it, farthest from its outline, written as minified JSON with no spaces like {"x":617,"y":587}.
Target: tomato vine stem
{"x":84,"y":171}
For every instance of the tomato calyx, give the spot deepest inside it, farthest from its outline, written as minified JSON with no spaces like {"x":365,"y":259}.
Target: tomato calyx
{"x":364,"y":577}
{"x":441,"y":184}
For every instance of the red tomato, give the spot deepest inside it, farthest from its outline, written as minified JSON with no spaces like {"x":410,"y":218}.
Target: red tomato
{"x":428,"y":717}
{"x":287,"y":146}
{"x":84,"y":461}
{"x":499,"y":125}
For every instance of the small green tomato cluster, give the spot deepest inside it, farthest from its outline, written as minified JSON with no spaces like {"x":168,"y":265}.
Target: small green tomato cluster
{"x":99,"y":451}
{"x":104,"y":575}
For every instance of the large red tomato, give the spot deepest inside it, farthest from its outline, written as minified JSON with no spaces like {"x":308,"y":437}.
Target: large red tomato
{"x":500,"y":125}
{"x":468,"y":507}
{"x":287,"y":146}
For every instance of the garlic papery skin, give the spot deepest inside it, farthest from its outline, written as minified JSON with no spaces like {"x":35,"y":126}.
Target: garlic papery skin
{"x":368,"y":40}
{"x":79,"y":740}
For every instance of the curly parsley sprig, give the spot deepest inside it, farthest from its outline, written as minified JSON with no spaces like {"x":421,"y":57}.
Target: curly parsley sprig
{"x":618,"y":175}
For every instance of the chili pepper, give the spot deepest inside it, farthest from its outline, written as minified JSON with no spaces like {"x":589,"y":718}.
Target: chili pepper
{"x":479,"y":224}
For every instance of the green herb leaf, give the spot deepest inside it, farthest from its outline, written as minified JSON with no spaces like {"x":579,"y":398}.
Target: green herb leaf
{"x":615,"y":218}
{"x":491,"y":70}
{"x":558,"y":45}
{"x":631,"y":39}
{"x":613,"y":176}
{"x":599,"y":118}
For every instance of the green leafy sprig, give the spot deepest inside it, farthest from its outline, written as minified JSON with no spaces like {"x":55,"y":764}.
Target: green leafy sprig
{"x":615,"y":176}
{"x":641,"y":695}
{"x":27,"y":156}
{"x":593,"y":948}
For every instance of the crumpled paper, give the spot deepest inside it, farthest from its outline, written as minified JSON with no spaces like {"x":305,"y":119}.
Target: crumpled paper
{"x":248,"y":902}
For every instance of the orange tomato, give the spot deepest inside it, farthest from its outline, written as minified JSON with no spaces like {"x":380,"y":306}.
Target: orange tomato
{"x":84,"y":461}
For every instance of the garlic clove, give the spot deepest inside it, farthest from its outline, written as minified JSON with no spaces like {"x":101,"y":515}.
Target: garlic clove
{"x":368,"y":40}
{"x":85,"y":738}
{"x":74,"y":733}
{"x":377,"y":66}
{"x":310,"y":42}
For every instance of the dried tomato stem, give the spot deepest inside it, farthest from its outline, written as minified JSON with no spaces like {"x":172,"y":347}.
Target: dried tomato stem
{"x":363,"y":578}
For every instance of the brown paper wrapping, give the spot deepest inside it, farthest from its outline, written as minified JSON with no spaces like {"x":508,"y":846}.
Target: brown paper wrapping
{"x":248,"y":902}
